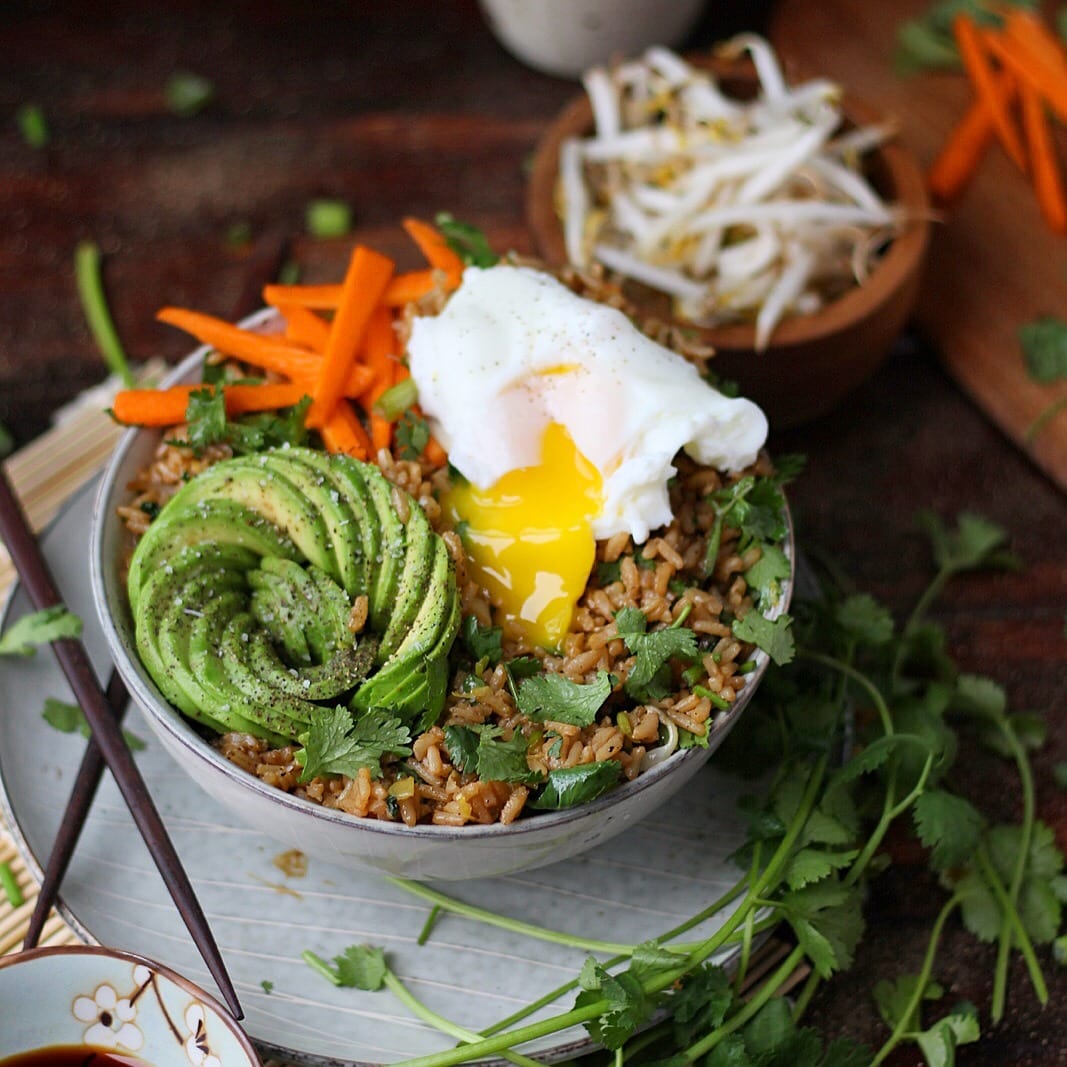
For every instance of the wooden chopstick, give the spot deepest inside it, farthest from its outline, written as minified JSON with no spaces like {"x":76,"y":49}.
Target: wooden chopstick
{"x":86,"y":783}
{"x":42,"y":592}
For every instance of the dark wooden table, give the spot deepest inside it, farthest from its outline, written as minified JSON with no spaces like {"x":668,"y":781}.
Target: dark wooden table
{"x":410,"y":108}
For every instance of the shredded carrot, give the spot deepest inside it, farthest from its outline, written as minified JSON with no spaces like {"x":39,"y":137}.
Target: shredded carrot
{"x":1044,"y":166}
{"x":379,"y":355}
{"x":304,"y":327}
{"x":973,"y":53}
{"x":168,"y":407}
{"x":365,"y":280}
{"x":435,"y":248}
{"x":343,"y":432}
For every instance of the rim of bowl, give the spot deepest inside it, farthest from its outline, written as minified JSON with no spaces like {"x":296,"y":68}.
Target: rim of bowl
{"x":173,"y":976}
{"x":904,"y":255}
{"x":145,"y":692}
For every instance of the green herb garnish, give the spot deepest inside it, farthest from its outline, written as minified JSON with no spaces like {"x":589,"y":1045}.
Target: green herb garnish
{"x":94,"y":304}
{"x":32,"y":125}
{"x":69,"y":719}
{"x":187,"y":94}
{"x":328,"y":218}
{"x":335,"y":744}
{"x":24,"y":635}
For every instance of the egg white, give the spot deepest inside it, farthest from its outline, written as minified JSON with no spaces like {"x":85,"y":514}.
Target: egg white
{"x":515,"y":350}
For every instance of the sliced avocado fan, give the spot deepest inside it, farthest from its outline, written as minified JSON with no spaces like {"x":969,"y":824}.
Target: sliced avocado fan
{"x":242,"y":591}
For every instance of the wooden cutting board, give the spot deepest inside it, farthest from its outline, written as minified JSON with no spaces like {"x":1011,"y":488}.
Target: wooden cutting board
{"x":993,"y":265}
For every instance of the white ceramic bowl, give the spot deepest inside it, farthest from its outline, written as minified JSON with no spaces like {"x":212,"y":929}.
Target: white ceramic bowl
{"x":81,"y":995}
{"x":422,"y":852}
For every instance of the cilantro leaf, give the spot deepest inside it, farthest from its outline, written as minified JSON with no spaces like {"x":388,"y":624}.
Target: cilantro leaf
{"x":894,"y":995}
{"x":1044,"y":345}
{"x":811,"y":865}
{"x":207,"y":424}
{"x":361,"y":967}
{"x":766,"y":575}
{"x":567,"y":787}
{"x":69,"y":719}
{"x":864,"y":619}
{"x":628,"y":1006}
{"x":975,"y":543}
{"x":653,"y":650}
{"x":467,"y":241}
{"x":23,"y":636}
{"x":412,"y":435}
{"x":334,"y":744}
{"x":555,"y":697}
{"x":461,"y":743}
{"x":949,"y":825}
{"x":774,"y":636}
{"x":701,"y":1004}
{"x":828,"y":921}
{"x":939,"y":1042}
{"x":503,"y":761}
{"x":483,"y":642}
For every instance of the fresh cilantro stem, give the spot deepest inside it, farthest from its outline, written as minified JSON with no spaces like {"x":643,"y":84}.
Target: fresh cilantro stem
{"x":320,"y":966}
{"x":427,"y":927}
{"x":922,"y":981}
{"x":94,"y":304}
{"x":471,"y":911}
{"x":801,"y":1004}
{"x":439,"y":1022}
{"x":504,"y":1040}
{"x":857,"y":676}
{"x":10,"y":887}
{"x":1026,"y":780}
{"x":769,"y":987}
{"x":1015,"y":925}
{"x":746,"y":941}
{"x":890,"y":811}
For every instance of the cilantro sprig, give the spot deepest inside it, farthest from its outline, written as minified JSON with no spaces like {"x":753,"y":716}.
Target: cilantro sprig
{"x":26,"y":634}
{"x":816,"y":832}
{"x":336,"y":744}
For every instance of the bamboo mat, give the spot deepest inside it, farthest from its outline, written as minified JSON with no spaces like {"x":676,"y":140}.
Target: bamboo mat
{"x":46,"y":473}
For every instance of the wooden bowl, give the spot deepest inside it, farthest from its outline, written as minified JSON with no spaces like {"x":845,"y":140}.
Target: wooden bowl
{"x":812,"y":362}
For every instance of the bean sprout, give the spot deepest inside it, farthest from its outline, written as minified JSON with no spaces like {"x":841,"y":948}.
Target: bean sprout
{"x":739,"y":210}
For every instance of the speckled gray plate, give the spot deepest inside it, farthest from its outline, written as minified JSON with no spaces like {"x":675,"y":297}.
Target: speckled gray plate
{"x":642,"y":883}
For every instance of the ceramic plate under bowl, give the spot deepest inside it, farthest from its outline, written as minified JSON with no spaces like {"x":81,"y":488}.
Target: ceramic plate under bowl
{"x":424,"y":851}
{"x":655,"y":875}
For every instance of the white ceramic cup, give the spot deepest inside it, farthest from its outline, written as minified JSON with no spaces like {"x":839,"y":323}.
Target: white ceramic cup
{"x":566,"y":37}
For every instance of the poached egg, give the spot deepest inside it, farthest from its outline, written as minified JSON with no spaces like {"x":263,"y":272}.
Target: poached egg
{"x":564,"y":419}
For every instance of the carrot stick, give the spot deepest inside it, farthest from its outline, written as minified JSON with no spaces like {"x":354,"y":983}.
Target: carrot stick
{"x":975,"y":59}
{"x":343,"y":432}
{"x":304,"y":327}
{"x":1044,"y":166}
{"x":405,"y":288}
{"x":1032,"y":34}
{"x":365,"y":280}
{"x":1048,"y":80}
{"x":259,"y":350}
{"x":435,"y":248}
{"x":379,"y":351}
{"x":964,"y":147}
{"x":168,"y":407}
{"x":435,"y":452}
{"x":315,"y":297}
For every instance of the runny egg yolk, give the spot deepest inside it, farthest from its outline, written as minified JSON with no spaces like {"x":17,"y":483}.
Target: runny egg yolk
{"x":530,"y":540}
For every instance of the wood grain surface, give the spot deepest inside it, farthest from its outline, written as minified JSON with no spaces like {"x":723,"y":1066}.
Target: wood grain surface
{"x":993,"y":264}
{"x":412,"y":108}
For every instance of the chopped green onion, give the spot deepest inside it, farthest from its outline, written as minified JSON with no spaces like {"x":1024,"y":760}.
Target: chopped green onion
{"x":328,"y":218}
{"x":239,"y":233}
{"x":10,"y":886}
{"x":717,"y":701}
{"x":747,"y":667}
{"x":94,"y":304}
{"x":427,"y":927}
{"x":188,"y":93}
{"x":397,"y":399}
{"x":622,"y":720}
{"x":32,"y":125}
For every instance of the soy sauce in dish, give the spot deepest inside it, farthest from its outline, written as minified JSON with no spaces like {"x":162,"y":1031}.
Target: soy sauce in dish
{"x":72,"y":1056}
